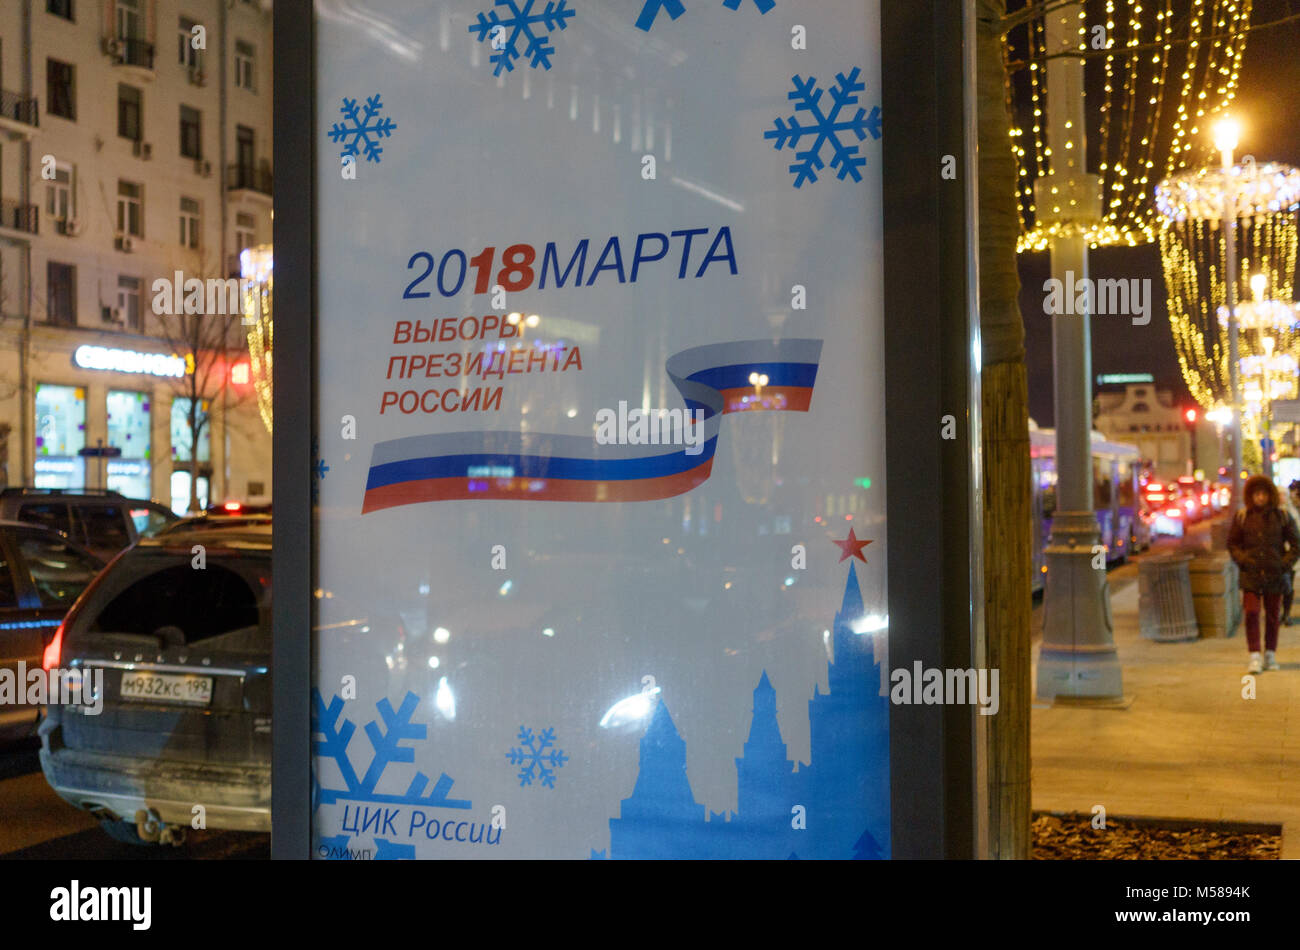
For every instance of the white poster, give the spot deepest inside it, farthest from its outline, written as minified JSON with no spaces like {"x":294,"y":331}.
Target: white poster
{"x":600,"y":457}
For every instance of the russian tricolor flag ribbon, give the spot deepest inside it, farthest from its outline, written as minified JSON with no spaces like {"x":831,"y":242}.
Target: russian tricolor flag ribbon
{"x":714,"y":380}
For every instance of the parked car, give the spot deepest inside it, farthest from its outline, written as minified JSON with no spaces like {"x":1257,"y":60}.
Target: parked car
{"x":185,"y":649}
{"x":103,"y":521}
{"x":41,"y":574}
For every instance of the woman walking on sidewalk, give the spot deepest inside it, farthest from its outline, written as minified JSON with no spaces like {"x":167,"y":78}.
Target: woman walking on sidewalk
{"x":1265,"y":545}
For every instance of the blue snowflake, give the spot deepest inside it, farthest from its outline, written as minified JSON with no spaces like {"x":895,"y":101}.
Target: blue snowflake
{"x":826,"y":128}
{"x":336,"y":733}
{"x":358,"y":128}
{"x":534,"y":756}
{"x":674,"y":9}
{"x":506,"y":32}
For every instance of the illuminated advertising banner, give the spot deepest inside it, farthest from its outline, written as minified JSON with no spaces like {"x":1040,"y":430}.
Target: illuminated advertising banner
{"x":600,"y":454}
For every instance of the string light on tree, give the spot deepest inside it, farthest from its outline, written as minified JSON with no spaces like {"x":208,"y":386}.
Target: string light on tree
{"x":256,"y":265}
{"x":1163,"y":69}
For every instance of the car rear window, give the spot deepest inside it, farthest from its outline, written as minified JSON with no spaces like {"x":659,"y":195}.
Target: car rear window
{"x":59,"y":571}
{"x":203,"y":603}
{"x":105,"y":526}
{"x":44,"y":513}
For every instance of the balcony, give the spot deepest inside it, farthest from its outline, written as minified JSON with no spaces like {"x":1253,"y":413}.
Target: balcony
{"x":134,"y":54}
{"x":246,"y":181}
{"x":18,"y":222}
{"x":19,"y":116}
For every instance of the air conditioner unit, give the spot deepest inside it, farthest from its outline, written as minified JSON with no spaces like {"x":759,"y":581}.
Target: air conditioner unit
{"x":126,"y":242}
{"x":118,"y":317}
{"x":72,"y":227}
{"x":146,"y":151}
{"x":207,"y":169}
{"x":111,"y":46}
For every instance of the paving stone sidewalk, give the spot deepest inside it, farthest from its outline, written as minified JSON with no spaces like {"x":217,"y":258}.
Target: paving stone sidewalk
{"x":1189,"y":745}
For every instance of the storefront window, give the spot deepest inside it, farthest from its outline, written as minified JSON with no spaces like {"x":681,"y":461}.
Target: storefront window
{"x":128,"y":430}
{"x":183,"y":435}
{"x":182,"y":441}
{"x":60,"y":435}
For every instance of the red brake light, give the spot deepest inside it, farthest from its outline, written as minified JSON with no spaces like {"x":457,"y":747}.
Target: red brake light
{"x":1174,"y":512}
{"x":53,"y":650}
{"x":232,"y":506}
{"x":1205,"y":498}
{"x":1156,"y":496}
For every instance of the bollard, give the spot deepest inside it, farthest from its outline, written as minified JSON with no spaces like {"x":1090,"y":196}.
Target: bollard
{"x":1215,"y":594}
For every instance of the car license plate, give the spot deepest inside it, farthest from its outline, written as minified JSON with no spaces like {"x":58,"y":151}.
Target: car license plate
{"x":167,"y":688}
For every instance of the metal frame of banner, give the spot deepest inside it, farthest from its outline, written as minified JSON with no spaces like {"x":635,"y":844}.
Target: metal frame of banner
{"x":932,"y":485}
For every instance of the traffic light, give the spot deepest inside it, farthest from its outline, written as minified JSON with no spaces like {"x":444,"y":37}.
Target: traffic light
{"x":1190,"y":416}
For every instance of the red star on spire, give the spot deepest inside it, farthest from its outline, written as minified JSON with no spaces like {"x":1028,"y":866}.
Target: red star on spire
{"x":851,"y":547}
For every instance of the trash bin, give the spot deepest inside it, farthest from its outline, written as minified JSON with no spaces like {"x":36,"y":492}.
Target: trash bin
{"x":1166,"y":611}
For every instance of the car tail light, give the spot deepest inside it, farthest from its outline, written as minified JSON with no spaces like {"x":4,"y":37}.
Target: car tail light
{"x":1174,"y":512}
{"x":50,"y":658}
{"x":1156,"y":496}
{"x":232,"y":506}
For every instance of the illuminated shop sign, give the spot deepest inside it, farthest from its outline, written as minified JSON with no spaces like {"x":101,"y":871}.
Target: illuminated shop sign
{"x":128,"y":361}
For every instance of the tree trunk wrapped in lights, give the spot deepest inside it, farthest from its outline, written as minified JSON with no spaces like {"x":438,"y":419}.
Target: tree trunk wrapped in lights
{"x":1193,"y":249}
{"x":255,"y":266}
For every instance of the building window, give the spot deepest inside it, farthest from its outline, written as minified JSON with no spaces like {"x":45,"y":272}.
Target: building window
{"x":61,"y":8}
{"x":62,"y":283}
{"x":1140,"y":407}
{"x":189,"y":223}
{"x":191,"y":140}
{"x":128,"y":300}
{"x":58,"y":194}
{"x":128,"y":19}
{"x":187,"y":54}
{"x":130,"y":209}
{"x":60,"y":89}
{"x":183,"y":434}
{"x":245,"y":231}
{"x":60,"y":435}
{"x":128,"y":112}
{"x":128,"y":430}
{"x":244,"y":62}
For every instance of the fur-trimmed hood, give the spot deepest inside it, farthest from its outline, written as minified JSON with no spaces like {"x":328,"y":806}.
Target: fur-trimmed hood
{"x":1254,"y":484}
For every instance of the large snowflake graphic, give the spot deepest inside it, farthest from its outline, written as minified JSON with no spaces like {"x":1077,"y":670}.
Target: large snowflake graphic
{"x":674,"y":9}
{"x":506,"y":32}
{"x":825,"y":128}
{"x":336,"y":731}
{"x":358,"y":128}
{"x":535,"y":757}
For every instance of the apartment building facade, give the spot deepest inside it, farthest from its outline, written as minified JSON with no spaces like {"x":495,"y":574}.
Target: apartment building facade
{"x":135,"y":145}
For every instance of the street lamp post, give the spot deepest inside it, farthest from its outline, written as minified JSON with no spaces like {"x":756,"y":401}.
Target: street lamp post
{"x":1226,"y":134}
{"x":1078,"y":659}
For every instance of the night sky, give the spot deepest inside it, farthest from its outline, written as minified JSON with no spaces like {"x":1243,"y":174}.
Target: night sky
{"x":1268,"y":106}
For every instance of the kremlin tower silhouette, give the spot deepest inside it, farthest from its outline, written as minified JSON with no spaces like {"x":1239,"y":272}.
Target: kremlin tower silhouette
{"x":835,"y":806}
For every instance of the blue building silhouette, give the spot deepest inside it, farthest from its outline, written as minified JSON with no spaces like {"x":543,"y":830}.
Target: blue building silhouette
{"x":835,"y":806}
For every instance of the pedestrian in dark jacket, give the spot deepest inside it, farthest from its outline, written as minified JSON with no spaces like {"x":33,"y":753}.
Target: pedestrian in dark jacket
{"x":1265,"y":545}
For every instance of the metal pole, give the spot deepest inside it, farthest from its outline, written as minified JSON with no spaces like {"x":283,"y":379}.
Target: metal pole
{"x":1234,"y":374}
{"x":1078,"y":659}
